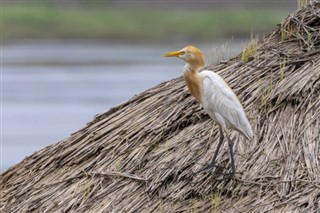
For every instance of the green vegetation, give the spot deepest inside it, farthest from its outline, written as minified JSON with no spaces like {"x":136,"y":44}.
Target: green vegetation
{"x":248,"y":53}
{"x":302,"y":3}
{"x":287,"y":31}
{"x":282,"y":66}
{"x":87,"y":191}
{"x":167,"y":146}
{"x":215,"y":202}
{"x":195,"y":206}
{"x":118,"y":165}
{"x":25,"y":22}
{"x":308,"y":40}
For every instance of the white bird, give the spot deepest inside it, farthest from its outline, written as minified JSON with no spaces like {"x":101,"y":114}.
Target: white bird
{"x":216,"y":97}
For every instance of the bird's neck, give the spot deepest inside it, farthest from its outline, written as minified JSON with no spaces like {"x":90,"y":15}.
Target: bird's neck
{"x":194,"y":67}
{"x":193,"y":80}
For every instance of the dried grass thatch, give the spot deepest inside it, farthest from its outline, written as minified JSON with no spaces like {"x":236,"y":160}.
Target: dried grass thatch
{"x":140,"y":156}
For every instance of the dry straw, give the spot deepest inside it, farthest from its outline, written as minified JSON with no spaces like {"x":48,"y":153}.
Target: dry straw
{"x":140,"y":156}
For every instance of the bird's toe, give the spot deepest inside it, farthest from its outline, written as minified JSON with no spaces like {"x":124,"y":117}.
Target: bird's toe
{"x":208,"y":167}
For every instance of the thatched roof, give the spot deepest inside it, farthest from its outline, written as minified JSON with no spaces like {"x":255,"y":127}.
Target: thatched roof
{"x":140,"y":156}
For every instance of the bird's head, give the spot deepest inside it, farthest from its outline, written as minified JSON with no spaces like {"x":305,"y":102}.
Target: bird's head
{"x":189,"y":54}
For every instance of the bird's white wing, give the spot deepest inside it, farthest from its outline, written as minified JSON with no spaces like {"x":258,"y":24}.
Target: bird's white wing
{"x":222,"y":104}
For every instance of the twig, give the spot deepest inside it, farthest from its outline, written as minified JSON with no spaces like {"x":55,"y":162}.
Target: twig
{"x":119,"y":174}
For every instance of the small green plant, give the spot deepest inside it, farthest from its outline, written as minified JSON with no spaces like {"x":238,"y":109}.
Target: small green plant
{"x":167,"y":146}
{"x":266,"y":91}
{"x":160,"y":203}
{"x":87,"y":191}
{"x":282,"y":66}
{"x":248,"y":53}
{"x":118,"y":165}
{"x":195,"y":206}
{"x":302,"y":3}
{"x":309,"y":40}
{"x":287,"y":31}
{"x":215,"y":202}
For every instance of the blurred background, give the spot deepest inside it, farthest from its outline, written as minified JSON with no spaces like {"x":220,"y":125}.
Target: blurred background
{"x":64,"y":61}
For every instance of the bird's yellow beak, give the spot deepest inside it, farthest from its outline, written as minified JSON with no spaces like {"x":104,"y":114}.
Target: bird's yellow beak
{"x":173,"y":54}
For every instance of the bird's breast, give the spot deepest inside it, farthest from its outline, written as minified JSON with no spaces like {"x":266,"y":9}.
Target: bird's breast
{"x":193,"y":82}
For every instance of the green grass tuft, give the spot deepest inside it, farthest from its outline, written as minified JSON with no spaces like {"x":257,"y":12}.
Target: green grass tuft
{"x":287,"y":31}
{"x":248,"y":53}
{"x":87,"y":191}
{"x":309,"y":40}
{"x":195,"y":207}
{"x":118,"y":165}
{"x":302,"y":3}
{"x":215,"y":202}
{"x":167,"y":146}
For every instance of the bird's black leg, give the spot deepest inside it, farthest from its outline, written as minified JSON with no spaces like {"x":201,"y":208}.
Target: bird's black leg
{"x":230,"y":143}
{"x":214,"y":157}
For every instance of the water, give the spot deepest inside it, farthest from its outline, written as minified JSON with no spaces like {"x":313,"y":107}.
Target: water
{"x":50,"y":89}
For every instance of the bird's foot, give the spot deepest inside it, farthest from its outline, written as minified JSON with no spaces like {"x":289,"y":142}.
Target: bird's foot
{"x":207,"y":167}
{"x":228,"y":176}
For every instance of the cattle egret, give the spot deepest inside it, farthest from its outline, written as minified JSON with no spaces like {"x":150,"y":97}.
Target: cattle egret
{"x":216,"y":97}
